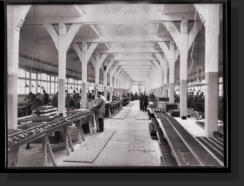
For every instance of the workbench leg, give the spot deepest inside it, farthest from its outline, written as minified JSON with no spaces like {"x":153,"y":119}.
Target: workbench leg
{"x":51,"y":154}
{"x":81,"y":136}
{"x":13,"y":157}
{"x":109,"y":113}
{"x":66,"y":141}
{"x":70,"y":142}
{"x":44,"y":150}
{"x":95,"y":122}
{"x":90,"y":125}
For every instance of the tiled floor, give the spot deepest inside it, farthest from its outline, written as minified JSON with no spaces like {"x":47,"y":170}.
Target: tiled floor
{"x":131,"y":145}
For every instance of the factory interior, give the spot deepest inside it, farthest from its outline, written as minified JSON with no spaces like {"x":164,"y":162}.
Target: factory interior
{"x":115,"y":85}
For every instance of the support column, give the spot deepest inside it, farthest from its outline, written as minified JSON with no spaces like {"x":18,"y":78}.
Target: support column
{"x":184,"y":42}
{"x":111,"y":94}
{"x":116,"y":81}
{"x":97,"y":74}
{"x":97,"y":65}
{"x":15,"y":17}
{"x":105,"y":78}
{"x":119,"y":82}
{"x":84,"y":56}
{"x":105,"y":83}
{"x":165,"y":90}
{"x":183,"y":67}
{"x":84,"y":76}
{"x":111,"y":88}
{"x":13,"y":62}
{"x":211,"y":69}
{"x":165,"y":79}
{"x":172,"y":74}
{"x":61,"y":69}
{"x":164,"y":69}
{"x":62,"y":42}
{"x":111,"y":81}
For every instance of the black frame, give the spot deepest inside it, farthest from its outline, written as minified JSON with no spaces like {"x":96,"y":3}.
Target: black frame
{"x":227,"y":101}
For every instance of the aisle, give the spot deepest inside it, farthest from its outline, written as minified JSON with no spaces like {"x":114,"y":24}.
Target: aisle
{"x":131,"y":144}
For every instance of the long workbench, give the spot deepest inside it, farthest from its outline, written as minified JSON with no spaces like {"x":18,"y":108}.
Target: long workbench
{"x":186,"y":150}
{"x":42,"y":129}
{"x":112,"y":108}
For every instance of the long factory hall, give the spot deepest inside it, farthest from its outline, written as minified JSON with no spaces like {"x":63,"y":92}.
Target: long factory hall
{"x":115,"y":85}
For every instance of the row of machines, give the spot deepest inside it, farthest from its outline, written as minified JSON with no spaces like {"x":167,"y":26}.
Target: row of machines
{"x":125,"y":100}
{"x":112,"y":108}
{"x":162,"y":104}
{"x":41,"y":126}
{"x":185,"y":149}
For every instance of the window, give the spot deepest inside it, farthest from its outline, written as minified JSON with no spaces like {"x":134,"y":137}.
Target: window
{"x":27,"y":74}
{"x":43,"y":76}
{"x":48,"y":87}
{"x":39,"y":76}
{"x":56,"y":87}
{"x":21,"y":73}
{"x":29,"y":80}
{"x":39,"y":87}
{"x":21,"y":86}
{"x":33,"y":75}
{"x":52,"y":88}
{"x":33,"y":86}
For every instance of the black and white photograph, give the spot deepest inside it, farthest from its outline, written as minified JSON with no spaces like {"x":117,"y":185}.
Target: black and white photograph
{"x":116,"y":84}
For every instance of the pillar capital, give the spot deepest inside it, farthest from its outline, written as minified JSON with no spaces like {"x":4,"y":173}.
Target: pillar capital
{"x":184,"y":26}
{"x":62,"y":30}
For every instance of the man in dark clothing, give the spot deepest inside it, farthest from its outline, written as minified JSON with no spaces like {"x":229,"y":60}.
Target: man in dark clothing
{"x":141,"y":102}
{"x":55,"y":100}
{"x":75,"y":95}
{"x":45,"y":98}
{"x":145,"y":102}
{"x":67,"y":99}
{"x":100,"y":111}
{"x":29,"y":102}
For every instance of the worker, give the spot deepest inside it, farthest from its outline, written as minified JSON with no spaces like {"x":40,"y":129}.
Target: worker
{"x":45,"y":97}
{"x":67,"y":99}
{"x":145,"y":102}
{"x":29,"y":102}
{"x":39,"y":100}
{"x":100,"y":111}
{"x":141,"y":98}
{"x":55,"y":100}
{"x":75,"y":95}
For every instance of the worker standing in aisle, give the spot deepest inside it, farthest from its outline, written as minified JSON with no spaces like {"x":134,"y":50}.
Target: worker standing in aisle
{"x":145,"y":102}
{"x":100,"y":111}
{"x":45,"y":98}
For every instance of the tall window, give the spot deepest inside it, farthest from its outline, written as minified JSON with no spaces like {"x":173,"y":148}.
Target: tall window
{"x":37,"y":81}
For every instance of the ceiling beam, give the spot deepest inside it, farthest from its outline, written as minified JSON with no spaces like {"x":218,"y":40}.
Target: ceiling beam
{"x":131,"y":59}
{"x":114,"y":39}
{"x":134,"y":49}
{"x":144,"y":65}
{"x":135,"y":64}
{"x":129,"y":50}
{"x":95,"y":19}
